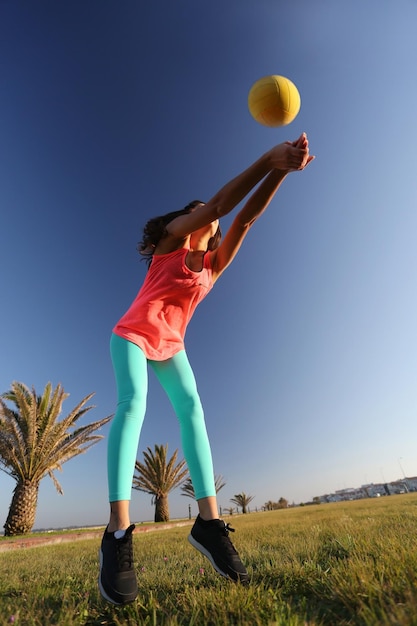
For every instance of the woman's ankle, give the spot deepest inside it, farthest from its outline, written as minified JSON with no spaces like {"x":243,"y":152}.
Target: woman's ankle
{"x":207,"y":508}
{"x":119,"y":517}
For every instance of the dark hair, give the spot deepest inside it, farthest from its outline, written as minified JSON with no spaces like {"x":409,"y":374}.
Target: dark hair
{"x":155,"y":230}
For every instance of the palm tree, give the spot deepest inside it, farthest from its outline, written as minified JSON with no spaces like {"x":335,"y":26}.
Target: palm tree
{"x":158,"y":477}
{"x":33,"y":443}
{"x":242,"y":500}
{"x":188,"y":489}
{"x":230,"y":510}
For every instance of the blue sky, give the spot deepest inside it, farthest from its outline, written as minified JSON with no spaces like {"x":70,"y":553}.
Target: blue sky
{"x":306,"y":350}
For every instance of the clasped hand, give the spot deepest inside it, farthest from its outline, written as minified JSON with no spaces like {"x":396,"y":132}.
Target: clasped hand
{"x":291,"y":156}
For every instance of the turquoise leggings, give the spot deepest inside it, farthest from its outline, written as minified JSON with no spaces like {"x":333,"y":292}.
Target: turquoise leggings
{"x":177,"y":379}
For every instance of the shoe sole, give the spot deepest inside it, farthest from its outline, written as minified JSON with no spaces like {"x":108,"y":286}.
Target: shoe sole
{"x":101,"y":588}
{"x":207,"y":554}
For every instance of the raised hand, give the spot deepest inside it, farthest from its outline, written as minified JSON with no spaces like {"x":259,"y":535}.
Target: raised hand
{"x":291,"y":156}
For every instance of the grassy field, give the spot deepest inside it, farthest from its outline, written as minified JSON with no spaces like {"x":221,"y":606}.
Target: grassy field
{"x":325,"y":565}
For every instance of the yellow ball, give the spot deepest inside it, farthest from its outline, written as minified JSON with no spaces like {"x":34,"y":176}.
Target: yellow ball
{"x":274,"y":101}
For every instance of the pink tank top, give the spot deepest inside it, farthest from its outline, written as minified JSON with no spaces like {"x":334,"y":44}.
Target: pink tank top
{"x":157,"y":319}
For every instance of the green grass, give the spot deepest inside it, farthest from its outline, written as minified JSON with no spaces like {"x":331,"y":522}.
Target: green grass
{"x":351,"y":563}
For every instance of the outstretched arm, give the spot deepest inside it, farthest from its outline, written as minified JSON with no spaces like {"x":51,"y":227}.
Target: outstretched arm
{"x":286,"y":156}
{"x":255,"y":206}
{"x":252,"y":210}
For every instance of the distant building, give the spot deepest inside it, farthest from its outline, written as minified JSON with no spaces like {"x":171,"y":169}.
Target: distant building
{"x":372,"y":490}
{"x":344,"y":494}
{"x":412,"y":483}
{"x":398,"y":486}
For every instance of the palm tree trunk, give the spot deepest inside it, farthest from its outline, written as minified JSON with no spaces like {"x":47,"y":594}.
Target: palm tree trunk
{"x":161,"y":509}
{"x":22,"y":510}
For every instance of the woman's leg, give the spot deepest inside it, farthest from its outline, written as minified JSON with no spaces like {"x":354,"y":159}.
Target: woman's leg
{"x":209,"y":534}
{"x":130,"y":369}
{"x":177,"y":378}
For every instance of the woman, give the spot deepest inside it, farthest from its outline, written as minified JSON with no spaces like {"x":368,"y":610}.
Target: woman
{"x":186,"y":258}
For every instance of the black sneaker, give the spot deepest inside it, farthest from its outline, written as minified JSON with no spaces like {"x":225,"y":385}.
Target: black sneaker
{"x":212,"y":539}
{"x":117,"y":580}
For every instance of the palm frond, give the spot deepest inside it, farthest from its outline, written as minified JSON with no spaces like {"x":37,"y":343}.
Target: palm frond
{"x":56,"y":483}
{"x":188,"y":489}
{"x":156,"y":476}
{"x":33,"y":442}
{"x":242,"y":499}
{"x":12,"y":442}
